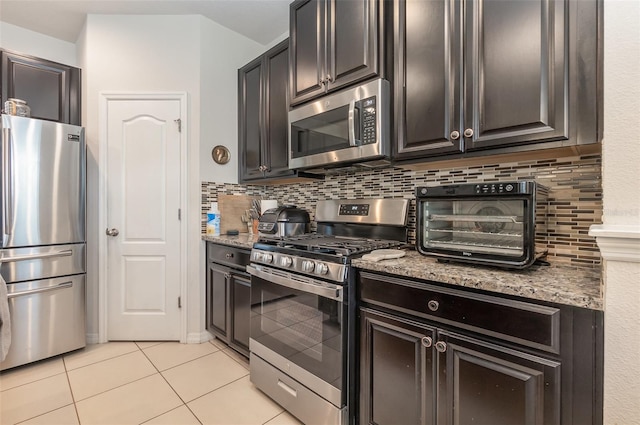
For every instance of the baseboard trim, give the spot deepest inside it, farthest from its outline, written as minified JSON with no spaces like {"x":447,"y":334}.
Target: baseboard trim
{"x":198,"y":337}
{"x":92,"y":338}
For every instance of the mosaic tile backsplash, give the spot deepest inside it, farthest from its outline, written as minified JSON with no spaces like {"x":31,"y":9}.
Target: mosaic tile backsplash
{"x":575,"y":198}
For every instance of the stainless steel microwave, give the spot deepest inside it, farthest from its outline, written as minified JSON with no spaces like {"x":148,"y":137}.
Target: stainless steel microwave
{"x":350,"y":126}
{"x":502,"y":224}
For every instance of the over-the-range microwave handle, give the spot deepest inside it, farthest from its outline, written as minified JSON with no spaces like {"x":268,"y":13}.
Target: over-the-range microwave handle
{"x":352,"y":123}
{"x":7,"y":186}
{"x":323,"y":291}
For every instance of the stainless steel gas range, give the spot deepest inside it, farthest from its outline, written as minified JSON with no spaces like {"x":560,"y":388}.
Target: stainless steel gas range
{"x":303,"y":308}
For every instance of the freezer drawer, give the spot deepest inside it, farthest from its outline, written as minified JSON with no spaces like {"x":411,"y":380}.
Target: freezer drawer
{"x":47,"y":319}
{"x":24,"y":264}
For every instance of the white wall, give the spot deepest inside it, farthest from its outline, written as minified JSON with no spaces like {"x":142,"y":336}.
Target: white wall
{"x":154,"y":54}
{"x":164,"y":54}
{"x":621,"y":190}
{"x":139,"y":54}
{"x":32,"y":43}
{"x":222,"y":52}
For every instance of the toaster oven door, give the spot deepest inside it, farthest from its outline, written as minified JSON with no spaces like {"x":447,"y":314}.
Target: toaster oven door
{"x":483,"y":230}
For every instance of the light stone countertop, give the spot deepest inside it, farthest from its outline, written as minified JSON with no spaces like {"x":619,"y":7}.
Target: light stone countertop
{"x":243,"y":240}
{"x":579,"y":287}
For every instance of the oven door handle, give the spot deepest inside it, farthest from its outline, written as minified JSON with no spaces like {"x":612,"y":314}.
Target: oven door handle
{"x":316,"y":289}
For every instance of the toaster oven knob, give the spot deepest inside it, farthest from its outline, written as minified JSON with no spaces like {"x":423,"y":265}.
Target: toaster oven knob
{"x":322,"y":268}
{"x":267,"y":257}
{"x":308,"y":266}
{"x":286,"y":261}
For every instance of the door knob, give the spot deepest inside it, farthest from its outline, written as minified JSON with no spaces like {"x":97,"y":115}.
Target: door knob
{"x":112,"y":232}
{"x":468,"y":132}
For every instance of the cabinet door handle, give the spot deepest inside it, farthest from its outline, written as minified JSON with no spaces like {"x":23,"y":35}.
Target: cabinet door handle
{"x":329,"y":80}
{"x":455,"y":135}
{"x":468,"y":132}
{"x":433,"y":305}
{"x":229,"y":255}
{"x":441,"y":346}
{"x":227,"y":275}
{"x":427,"y":341}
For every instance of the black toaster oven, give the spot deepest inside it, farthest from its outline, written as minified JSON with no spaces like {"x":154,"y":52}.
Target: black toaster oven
{"x":502,"y":224}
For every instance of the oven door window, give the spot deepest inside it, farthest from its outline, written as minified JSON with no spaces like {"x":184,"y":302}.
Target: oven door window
{"x":304,"y":328}
{"x":477,"y":226}
{"x":324,"y":132}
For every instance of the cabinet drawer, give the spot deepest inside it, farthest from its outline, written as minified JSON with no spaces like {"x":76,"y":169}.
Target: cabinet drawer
{"x":228,"y":255}
{"x":519,"y":322}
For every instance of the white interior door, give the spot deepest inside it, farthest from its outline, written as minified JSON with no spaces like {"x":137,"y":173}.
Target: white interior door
{"x":143,"y":223}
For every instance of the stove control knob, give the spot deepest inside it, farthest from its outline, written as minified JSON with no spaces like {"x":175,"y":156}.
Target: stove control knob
{"x":286,"y":261}
{"x":267,"y":257}
{"x":308,"y":266}
{"x":322,"y":268}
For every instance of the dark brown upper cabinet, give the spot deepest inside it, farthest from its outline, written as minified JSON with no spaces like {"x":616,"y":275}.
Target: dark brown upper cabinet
{"x":52,"y":90}
{"x":262,"y":116}
{"x":473,"y":75}
{"x":333,"y":43}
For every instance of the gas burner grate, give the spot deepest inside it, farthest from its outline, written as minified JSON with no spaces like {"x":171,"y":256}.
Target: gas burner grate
{"x":343,"y":246}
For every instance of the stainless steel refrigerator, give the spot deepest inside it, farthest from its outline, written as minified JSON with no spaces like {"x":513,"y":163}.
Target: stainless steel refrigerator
{"x":42,"y":254}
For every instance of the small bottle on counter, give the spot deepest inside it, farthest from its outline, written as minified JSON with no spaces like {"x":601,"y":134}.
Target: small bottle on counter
{"x":213,"y":220}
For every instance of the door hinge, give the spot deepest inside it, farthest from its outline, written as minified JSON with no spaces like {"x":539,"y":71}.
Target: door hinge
{"x":179,"y":302}
{"x":179,"y":122}
{"x":179,"y":213}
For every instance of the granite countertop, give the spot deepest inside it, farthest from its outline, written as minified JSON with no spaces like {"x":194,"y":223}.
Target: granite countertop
{"x":579,"y":287}
{"x":243,"y":240}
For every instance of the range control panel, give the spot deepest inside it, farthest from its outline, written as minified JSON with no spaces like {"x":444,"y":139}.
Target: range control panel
{"x":354,"y":209}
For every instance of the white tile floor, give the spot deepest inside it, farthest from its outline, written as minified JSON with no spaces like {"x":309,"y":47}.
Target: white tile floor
{"x":133,"y":383}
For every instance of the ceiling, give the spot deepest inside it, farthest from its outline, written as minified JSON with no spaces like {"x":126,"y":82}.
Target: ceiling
{"x":260,"y":20}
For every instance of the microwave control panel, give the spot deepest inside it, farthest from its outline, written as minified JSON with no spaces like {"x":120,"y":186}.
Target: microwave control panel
{"x":369,"y":120}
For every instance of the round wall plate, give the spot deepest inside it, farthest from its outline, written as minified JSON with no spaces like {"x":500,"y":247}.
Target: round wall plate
{"x":220,"y":154}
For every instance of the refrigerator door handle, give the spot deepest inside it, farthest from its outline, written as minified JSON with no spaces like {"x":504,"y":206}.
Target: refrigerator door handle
{"x":65,"y":253}
{"x":7,"y":185}
{"x":40,"y":290}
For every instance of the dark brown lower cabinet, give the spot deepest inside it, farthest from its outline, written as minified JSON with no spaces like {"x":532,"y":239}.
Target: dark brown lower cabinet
{"x":397,"y":370}
{"x":228,"y":296}
{"x":483,"y":383}
{"x":417,"y":374}
{"x":417,"y":366}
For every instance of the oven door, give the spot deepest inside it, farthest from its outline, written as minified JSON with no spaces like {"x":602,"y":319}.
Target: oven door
{"x":488,"y":230}
{"x":298,"y":325}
